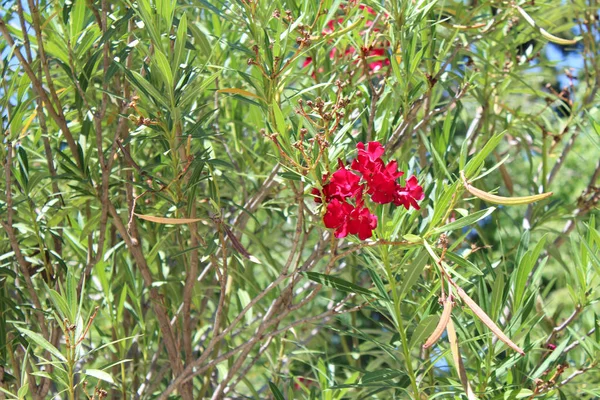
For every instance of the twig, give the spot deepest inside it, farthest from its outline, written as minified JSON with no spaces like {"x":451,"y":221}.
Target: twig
{"x":14,"y":243}
{"x":564,"y":325}
{"x":158,"y":307}
{"x":576,"y":374}
{"x":578,"y":342}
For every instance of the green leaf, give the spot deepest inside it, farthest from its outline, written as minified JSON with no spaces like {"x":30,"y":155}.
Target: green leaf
{"x":476,"y":162}
{"x":423,"y":330}
{"x":60,"y":303}
{"x":197,"y":91}
{"x":179,"y":50}
{"x":339,"y":284}
{"x":12,"y":396}
{"x":98,"y":374}
{"x":413,"y":272}
{"x":443,"y":202}
{"x":43,"y":343}
{"x":381,"y":375}
{"x":465,"y":221}
{"x":71,"y":295}
{"x":23,"y":390}
{"x":77,"y":19}
{"x":526,"y":265}
{"x":497,"y":295}
{"x":463,"y":262}
{"x":276,"y":392}
{"x":146,"y":87}
{"x":164,"y":67}
{"x":556,"y":353}
{"x":279,"y":120}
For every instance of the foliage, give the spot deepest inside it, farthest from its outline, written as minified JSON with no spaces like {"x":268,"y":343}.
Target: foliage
{"x":162,"y":236}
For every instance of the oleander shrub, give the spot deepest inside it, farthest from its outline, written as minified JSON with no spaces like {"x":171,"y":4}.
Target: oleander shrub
{"x":287,"y":199}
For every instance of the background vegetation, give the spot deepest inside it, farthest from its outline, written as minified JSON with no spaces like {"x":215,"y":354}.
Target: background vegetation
{"x":161,"y":240}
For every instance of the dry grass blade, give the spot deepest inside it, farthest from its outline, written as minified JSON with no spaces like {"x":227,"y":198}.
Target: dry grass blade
{"x":452,"y":338}
{"x":444,"y":319}
{"x":486,"y":319}
{"x":170,"y":221}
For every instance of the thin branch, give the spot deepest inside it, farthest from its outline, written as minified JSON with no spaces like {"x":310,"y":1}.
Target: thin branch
{"x":578,"y":342}
{"x":14,"y":242}
{"x":578,"y":309}
{"x":576,"y":374}
{"x":155,"y":296}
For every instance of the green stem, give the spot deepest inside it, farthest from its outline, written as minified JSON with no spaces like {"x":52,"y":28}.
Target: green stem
{"x":407,"y":360}
{"x":400,"y":323}
{"x":70,"y":371}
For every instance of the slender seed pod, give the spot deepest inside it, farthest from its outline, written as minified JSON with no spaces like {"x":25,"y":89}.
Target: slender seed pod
{"x":507,"y":201}
{"x":441,"y":326}
{"x":486,"y":319}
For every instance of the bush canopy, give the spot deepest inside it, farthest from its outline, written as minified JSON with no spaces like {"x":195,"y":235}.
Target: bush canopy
{"x":287,"y":199}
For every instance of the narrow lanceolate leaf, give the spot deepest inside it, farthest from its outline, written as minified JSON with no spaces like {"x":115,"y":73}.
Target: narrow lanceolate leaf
{"x":339,"y":284}
{"x":276,"y":392}
{"x":170,"y":221}
{"x":452,"y":338}
{"x":507,"y":201}
{"x":465,"y":221}
{"x":543,"y":32}
{"x":240,"y":92}
{"x":98,"y":374}
{"x":441,"y":326}
{"x":43,"y":343}
{"x":486,"y":319}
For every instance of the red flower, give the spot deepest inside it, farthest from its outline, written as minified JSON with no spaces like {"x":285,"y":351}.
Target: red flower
{"x":361,"y":222}
{"x":409,"y":194}
{"x":368,"y":161}
{"x":317,"y":194}
{"x":380,"y":181}
{"x":378,"y":52}
{"x":343,"y":184}
{"x":369,"y":9}
{"x":346,"y":219}
{"x":380,"y":178}
{"x":336,"y":217}
{"x":382,"y":185}
{"x":331,"y":26}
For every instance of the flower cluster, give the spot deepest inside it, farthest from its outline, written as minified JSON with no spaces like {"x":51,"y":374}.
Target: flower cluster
{"x":374,"y":53}
{"x":368,"y":174}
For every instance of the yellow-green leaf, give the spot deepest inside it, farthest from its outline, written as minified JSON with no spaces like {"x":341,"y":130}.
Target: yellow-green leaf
{"x":241,"y":92}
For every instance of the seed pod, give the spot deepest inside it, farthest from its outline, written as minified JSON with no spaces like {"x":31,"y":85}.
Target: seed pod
{"x":486,"y":319}
{"x":441,"y":326}
{"x":507,"y":201}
